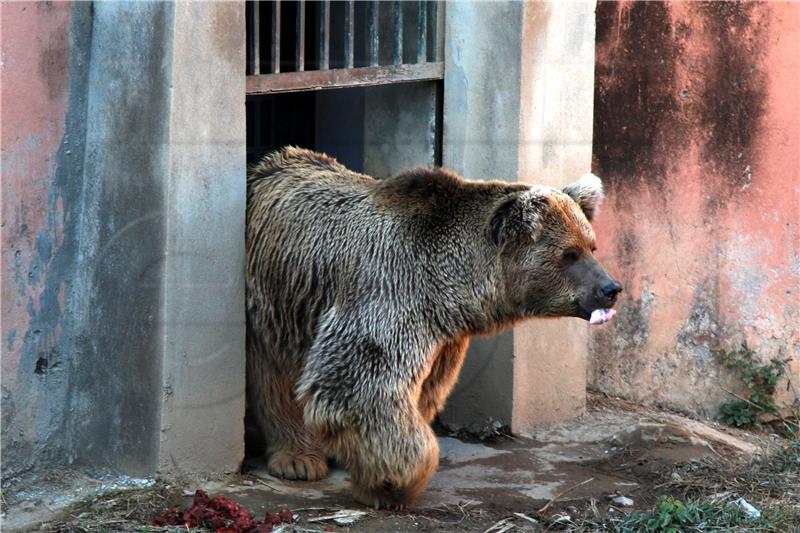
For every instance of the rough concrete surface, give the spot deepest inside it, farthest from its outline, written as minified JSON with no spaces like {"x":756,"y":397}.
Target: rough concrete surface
{"x":40,"y":117}
{"x":696,"y":135}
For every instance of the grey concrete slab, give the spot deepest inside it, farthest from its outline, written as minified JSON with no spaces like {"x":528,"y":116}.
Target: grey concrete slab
{"x":202,"y":306}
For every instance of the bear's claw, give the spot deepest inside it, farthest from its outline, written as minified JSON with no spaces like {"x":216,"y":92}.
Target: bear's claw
{"x":296,"y":465}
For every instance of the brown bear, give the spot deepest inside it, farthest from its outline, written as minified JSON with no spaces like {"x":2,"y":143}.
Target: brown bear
{"x":362,"y":295}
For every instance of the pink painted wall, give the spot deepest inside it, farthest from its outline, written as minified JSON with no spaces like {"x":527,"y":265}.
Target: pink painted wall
{"x":34,"y":98}
{"x":697,"y":137}
{"x":35,"y":79}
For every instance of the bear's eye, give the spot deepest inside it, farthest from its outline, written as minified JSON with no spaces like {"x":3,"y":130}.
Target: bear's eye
{"x":570,"y":256}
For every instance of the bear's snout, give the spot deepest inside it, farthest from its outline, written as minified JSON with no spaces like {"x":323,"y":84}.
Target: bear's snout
{"x":609,"y":292}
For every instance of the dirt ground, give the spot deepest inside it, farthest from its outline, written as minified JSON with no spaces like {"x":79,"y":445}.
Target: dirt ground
{"x":558,"y":478}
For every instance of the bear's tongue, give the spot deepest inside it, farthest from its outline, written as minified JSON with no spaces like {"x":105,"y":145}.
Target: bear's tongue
{"x":601,"y":316}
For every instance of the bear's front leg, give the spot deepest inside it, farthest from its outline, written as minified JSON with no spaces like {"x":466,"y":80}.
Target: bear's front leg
{"x":362,"y":399}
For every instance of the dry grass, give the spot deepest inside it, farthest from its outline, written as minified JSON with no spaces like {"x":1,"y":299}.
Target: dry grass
{"x":707,"y":489}
{"x":120,"y":510}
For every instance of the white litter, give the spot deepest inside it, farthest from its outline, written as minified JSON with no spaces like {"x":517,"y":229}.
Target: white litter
{"x":526,"y":517}
{"x":501,"y":526}
{"x":561,"y":518}
{"x":601,"y":316}
{"x":751,"y":511}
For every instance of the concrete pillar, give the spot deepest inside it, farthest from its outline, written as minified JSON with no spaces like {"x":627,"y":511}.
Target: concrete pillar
{"x":519,"y":108}
{"x":115,"y":297}
{"x":202,"y":409}
{"x":159,"y":369}
{"x":556,"y":112}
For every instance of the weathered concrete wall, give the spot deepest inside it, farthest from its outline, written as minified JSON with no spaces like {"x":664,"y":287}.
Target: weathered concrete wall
{"x":481,"y":141}
{"x":519,"y":109}
{"x":123,"y":221}
{"x":115,"y":367}
{"x":696,"y":134}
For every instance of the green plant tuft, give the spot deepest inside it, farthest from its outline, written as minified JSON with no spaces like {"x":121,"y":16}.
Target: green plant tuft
{"x":761,"y":379}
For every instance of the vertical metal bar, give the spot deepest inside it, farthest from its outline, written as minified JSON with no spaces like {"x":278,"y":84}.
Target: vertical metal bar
{"x":438,"y":33}
{"x":373,"y":33}
{"x":276,"y":36}
{"x":300,"y":37}
{"x":422,"y":31}
{"x":349,"y":33}
{"x":398,"y":33}
{"x":255,"y":53}
{"x":324,"y":34}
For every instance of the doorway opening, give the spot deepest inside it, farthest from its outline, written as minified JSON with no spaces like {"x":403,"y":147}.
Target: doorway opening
{"x":360,"y":81}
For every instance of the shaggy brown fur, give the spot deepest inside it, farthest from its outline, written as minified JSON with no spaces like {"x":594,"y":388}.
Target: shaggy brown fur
{"x":362,"y":295}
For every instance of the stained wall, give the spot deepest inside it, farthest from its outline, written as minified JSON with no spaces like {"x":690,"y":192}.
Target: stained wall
{"x":697,"y":138}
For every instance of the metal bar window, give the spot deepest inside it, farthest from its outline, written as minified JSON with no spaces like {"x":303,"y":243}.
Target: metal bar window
{"x":255,"y":56}
{"x":349,"y":33}
{"x":438,"y":32}
{"x":324,"y":35}
{"x":422,"y":32}
{"x":354,"y":49}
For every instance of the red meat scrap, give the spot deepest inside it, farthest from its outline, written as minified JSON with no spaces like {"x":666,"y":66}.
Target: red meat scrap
{"x":220,"y":514}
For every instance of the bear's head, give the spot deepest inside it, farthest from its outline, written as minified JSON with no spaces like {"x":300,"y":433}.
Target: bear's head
{"x":545,"y":244}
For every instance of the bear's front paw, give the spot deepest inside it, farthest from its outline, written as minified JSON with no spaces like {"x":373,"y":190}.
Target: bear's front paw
{"x":297,"y":465}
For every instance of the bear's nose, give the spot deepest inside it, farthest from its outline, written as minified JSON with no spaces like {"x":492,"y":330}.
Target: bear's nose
{"x":611,"y":290}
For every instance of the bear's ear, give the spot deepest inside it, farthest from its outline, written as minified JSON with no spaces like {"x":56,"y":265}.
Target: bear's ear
{"x":517,"y":214}
{"x":588,"y":193}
